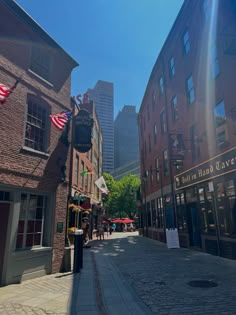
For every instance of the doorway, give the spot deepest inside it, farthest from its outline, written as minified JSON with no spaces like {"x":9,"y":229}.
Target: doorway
{"x":194,"y":225}
{"x":4,"y":217}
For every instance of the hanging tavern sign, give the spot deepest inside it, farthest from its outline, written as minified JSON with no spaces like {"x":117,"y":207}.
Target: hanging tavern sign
{"x":83,"y":126}
{"x":216,"y":166}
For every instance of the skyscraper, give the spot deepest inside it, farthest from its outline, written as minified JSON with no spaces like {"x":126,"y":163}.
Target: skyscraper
{"x":102,"y":95}
{"x":126,"y":136}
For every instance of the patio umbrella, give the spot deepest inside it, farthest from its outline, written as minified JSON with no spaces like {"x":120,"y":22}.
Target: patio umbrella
{"x":127,"y":220}
{"x":117,"y":221}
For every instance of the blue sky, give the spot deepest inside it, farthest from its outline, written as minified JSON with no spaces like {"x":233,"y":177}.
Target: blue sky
{"x":112,"y":40}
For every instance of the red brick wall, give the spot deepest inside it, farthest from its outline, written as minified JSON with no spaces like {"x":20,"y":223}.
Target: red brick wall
{"x":208,"y":91}
{"x":19,"y":167}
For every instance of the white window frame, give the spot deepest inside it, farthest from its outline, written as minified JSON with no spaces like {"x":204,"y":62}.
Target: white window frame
{"x":26,"y":219}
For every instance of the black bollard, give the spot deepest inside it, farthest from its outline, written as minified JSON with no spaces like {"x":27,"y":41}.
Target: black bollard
{"x":78,"y":251}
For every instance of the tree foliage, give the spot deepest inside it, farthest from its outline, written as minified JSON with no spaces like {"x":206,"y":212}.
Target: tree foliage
{"x":121,"y":202}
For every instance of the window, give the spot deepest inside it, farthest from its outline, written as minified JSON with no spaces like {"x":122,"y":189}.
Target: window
{"x":153,"y":207}
{"x":36,"y":135}
{"x":174,"y":109}
{"x":151,"y":175}
{"x":40,"y":62}
{"x":87,"y":182}
{"x":233,"y":115}
{"x":226,"y":205}
{"x":207,"y":211}
{"x":30,"y":224}
{"x":95,"y":134}
{"x":186,"y":42}
{"x":153,"y":100}
{"x":160,"y":213}
{"x":145,"y":149}
{"x":221,"y":138}
{"x":161,"y":85}
{"x":149,"y":143}
{"x":190,"y":90}
{"x":219,"y":113}
{"x":163,"y":122}
{"x":215,"y":68}
{"x":82,"y":176}
{"x":195,"y":146}
{"x":76,"y":171}
{"x":172,"y":66}
{"x":155,"y":133}
{"x":144,"y":123}
{"x":96,"y":163}
{"x":165,"y":162}
{"x":148,"y":112}
{"x":157,"y":170}
{"x":181,"y":212}
{"x":4,"y":195}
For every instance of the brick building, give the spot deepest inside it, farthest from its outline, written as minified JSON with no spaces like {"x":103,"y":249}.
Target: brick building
{"x":85,"y":184}
{"x":187,"y":130}
{"x":34,"y":155}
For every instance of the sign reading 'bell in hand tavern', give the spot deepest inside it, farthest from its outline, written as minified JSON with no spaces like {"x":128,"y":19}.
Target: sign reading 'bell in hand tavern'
{"x":83,"y":126}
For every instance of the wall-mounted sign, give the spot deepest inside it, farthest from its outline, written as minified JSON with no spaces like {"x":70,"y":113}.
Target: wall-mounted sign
{"x":59,"y":227}
{"x":83,"y":125}
{"x":219,"y":165}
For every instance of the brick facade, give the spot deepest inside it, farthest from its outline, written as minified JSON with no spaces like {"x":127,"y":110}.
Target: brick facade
{"x":21,"y":167}
{"x":208,"y":30}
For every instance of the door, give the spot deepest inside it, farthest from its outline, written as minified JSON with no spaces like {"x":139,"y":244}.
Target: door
{"x":195,"y":232}
{"x":4,"y":216}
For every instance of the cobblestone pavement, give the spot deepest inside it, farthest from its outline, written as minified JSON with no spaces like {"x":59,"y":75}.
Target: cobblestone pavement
{"x":160,"y":276}
{"x":45,"y":295}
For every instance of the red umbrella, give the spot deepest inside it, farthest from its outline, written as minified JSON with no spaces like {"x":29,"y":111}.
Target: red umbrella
{"x":117,"y":221}
{"x":127,"y":220}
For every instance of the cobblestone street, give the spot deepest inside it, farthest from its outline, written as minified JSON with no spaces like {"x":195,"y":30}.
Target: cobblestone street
{"x":133,"y":273}
{"x":160,"y":277}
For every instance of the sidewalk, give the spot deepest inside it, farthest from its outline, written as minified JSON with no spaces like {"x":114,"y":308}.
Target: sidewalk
{"x":101,"y":288}
{"x":128,"y":274}
{"x":98,"y":289}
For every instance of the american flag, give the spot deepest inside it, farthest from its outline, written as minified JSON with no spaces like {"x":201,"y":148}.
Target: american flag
{"x":5,"y":91}
{"x":60,"y":120}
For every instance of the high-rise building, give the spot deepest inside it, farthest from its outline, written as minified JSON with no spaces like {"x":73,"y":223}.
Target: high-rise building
{"x":102,"y":95}
{"x":126,"y":136}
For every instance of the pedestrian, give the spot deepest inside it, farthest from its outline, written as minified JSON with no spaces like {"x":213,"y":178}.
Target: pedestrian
{"x":101,"y":232}
{"x":110,"y":230}
{"x":114,"y":227}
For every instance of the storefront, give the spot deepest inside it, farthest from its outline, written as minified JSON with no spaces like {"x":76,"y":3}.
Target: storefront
{"x":206,"y":205}
{"x":26,"y":234}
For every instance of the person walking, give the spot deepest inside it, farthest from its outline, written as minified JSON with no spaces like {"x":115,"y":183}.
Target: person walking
{"x":101,"y":232}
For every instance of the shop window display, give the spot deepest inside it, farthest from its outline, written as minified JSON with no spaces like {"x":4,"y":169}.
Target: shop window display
{"x":181,"y":213}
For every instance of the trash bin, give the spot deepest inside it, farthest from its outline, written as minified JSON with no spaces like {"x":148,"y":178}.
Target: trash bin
{"x":78,"y":251}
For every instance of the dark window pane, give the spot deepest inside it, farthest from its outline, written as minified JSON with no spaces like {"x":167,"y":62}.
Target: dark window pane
{"x":37,"y":239}
{"x":30,"y":226}
{"x":19,"y":241}
{"x":39,"y":213}
{"x":21,"y":225}
{"x":29,"y":240}
{"x":38,"y":226}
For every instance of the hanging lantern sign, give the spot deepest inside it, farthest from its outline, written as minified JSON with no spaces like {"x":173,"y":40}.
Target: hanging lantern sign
{"x":83,"y":126}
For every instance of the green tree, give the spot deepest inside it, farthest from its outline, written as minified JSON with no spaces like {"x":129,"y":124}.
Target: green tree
{"x":121,"y":202}
{"x":129,"y":185}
